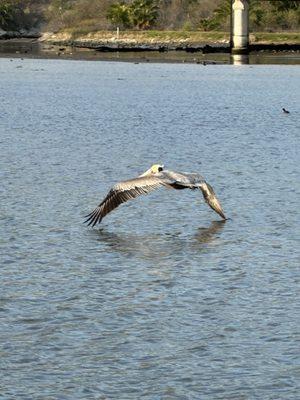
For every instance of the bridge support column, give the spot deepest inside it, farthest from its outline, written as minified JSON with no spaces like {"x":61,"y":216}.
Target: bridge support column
{"x":240,"y":26}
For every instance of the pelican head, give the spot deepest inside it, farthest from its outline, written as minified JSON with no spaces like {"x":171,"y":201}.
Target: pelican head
{"x":156,"y":168}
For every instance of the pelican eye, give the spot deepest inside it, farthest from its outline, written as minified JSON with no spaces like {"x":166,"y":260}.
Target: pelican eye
{"x":160,"y":169}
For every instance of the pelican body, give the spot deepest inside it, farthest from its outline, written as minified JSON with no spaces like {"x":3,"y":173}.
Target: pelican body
{"x":154,"y":178}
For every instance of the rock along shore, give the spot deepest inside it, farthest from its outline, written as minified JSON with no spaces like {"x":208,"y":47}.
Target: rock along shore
{"x":143,"y":41}
{"x":110,"y":42}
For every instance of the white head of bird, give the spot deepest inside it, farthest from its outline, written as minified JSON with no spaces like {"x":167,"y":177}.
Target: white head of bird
{"x":155,"y":169}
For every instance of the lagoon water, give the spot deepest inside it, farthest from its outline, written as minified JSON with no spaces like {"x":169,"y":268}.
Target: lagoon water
{"x":163,"y":300}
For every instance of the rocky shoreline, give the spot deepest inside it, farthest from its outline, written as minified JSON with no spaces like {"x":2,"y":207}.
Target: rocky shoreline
{"x":162,"y":47}
{"x":22,"y":34}
{"x":141,"y":47}
{"x":109,"y":42}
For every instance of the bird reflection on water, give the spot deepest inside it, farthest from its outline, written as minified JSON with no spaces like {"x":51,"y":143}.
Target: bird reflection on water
{"x":207,"y":235}
{"x":153,"y":246}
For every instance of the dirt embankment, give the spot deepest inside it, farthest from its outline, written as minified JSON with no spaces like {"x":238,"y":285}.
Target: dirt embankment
{"x":207,"y":42}
{"x":168,"y":40}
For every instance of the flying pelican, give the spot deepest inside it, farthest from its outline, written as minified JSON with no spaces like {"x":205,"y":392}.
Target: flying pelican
{"x":154,"y":178}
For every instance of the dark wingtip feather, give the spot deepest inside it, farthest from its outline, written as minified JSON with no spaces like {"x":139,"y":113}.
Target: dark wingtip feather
{"x":93,"y":218}
{"x":212,"y":200}
{"x":224,"y":216}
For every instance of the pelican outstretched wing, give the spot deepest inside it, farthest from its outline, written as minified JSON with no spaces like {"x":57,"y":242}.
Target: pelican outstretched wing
{"x":146,"y":183}
{"x":182,"y":180}
{"x":211,"y":199}
{"x":122,"y":192}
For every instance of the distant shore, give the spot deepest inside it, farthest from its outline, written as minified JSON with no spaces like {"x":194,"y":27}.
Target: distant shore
{"x":206,"y":42}
{"x":150,"y":46}
{"x":161,"y":41}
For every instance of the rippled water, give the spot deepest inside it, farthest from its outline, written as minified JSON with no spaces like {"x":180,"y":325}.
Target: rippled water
{"x":164,"y":301}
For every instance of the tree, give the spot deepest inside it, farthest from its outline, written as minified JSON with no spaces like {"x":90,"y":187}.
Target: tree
{"x":20,"y":14}
{"x":219,"y":18}
{"x":286,"y":5}
{"x":141,"y":14}
{"x":6,"y":15}
{"x":120,"y":14}
{"x":144,"y":13}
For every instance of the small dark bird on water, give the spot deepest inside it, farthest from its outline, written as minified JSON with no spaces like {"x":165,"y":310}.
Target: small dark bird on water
{"x":285,"y":111}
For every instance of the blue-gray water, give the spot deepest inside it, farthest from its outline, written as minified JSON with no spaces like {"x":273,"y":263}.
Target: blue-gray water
{"x":163,"y":301}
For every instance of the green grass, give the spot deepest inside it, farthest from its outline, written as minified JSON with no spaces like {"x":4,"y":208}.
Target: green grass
{"x":277,"y":37}
{"x":148,"y":36}
{"x":89,"y":29}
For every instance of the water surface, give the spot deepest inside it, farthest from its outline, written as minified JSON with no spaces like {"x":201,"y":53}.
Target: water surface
{"x":163,"y":300}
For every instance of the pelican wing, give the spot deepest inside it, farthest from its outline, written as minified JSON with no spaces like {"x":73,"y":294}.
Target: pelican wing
{"x":183,"y":180}
{"x":211,"y":199}
{"x":122,"y":192}
{"x":180,"y":180}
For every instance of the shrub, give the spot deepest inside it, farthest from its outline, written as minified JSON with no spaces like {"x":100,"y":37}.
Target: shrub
{"x":144,"y":13}
{"x":120,"y":15}
{"x":19,"y":14}
{"x":141,"y":14}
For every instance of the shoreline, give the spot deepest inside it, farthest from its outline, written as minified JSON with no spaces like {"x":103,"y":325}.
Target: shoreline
{"x":162,"y":41}
{"x":169,"y":51}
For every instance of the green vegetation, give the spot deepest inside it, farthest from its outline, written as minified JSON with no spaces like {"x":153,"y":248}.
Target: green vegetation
{"x":7,"y":14}
{"x":207,"y":15}
{"x":140,"y":14}
{"x":275,"y":15}
{"x":272,"y":15}
{"x":151,"y":35}
{"x":176,"y":15}
{"x":281,"y":37}
{"x":79,"y":34}
{"x":21,"y":14}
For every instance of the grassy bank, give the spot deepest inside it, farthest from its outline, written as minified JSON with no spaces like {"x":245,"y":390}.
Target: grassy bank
{"x":80,"y":34}
{"x":276,"y":38}
{"x":165,"y":37}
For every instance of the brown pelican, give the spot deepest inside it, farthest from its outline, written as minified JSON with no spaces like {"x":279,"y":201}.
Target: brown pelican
{"x":154,"y":178}
{"x":285,"y":111}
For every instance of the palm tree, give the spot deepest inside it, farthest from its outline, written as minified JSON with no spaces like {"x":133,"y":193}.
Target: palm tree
{"x":144,"y":13}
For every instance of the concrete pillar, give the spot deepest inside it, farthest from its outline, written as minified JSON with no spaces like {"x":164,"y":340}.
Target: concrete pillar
{"x":240,"y":29}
